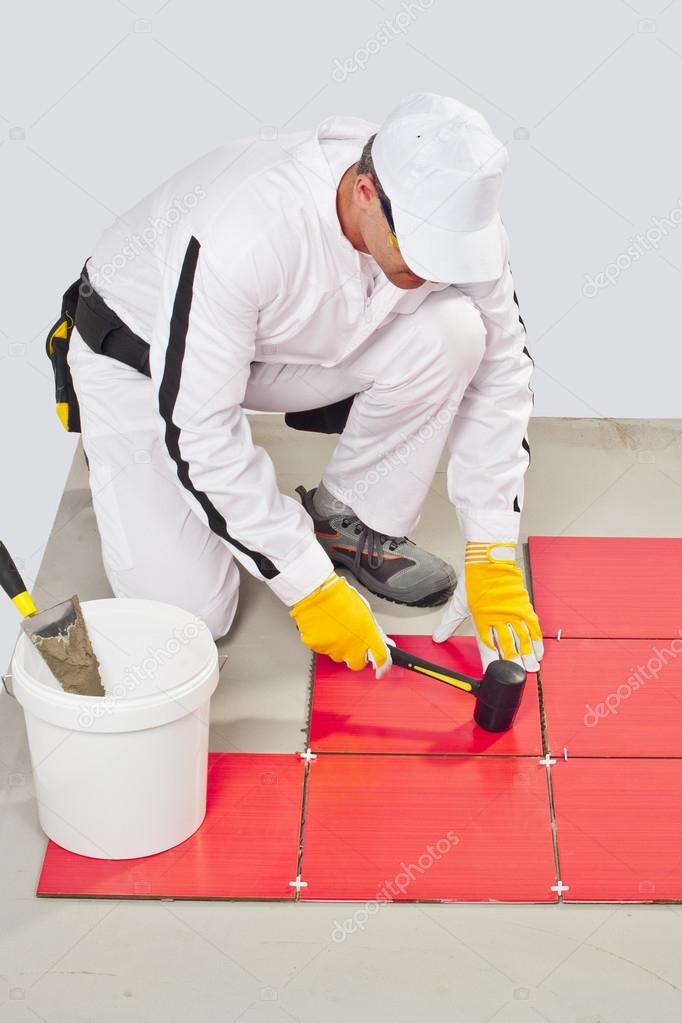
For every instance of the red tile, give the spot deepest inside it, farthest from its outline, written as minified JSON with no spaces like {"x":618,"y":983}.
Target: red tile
{"x":247,"y":847}
{"x":401,"y":828}
{"x":619,"y":828}
{"x":613,"y":697}
{"x":607,"y":587}
{"x":404,"y":712}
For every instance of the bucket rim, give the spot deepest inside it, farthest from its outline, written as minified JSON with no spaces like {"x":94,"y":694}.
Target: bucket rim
{"x":23,"y":682}
{"x":59,"y":697}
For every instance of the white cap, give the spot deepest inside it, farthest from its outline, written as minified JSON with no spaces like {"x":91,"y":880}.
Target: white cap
{"x":441,"y":168}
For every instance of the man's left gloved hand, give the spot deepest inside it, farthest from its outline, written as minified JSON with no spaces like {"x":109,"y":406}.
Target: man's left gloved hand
{"x":495,"y":596}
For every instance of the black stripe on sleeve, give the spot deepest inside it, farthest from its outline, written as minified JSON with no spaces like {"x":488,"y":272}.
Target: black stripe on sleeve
{"x":519,"y":311}
{"x":524,"y":443}
{"x":168,"y":393}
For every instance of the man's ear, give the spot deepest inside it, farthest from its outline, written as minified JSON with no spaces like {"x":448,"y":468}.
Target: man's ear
{"x":365,"y":189}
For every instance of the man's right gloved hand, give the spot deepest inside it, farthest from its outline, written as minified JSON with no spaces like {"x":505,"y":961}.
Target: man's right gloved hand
{"x":337,"y":620}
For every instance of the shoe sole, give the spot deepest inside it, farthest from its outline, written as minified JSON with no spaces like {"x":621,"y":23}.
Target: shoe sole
{"x":432,"y":600}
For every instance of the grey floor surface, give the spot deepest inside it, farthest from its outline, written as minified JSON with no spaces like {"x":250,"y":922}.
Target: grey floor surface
{"x":137,"y":962}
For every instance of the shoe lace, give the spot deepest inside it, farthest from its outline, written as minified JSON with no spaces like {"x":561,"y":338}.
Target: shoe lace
{"x":373,"y":541}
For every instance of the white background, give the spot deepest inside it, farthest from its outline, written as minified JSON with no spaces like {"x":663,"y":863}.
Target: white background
{"x":100,"y":101}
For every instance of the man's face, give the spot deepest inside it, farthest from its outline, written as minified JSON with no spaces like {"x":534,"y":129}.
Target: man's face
{"x":376,"y":235}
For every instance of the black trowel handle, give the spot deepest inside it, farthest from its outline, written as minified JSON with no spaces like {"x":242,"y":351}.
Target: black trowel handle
{"x":14,"y":585}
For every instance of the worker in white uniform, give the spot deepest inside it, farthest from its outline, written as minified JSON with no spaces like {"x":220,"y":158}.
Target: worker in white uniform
{"x":357,"y":278}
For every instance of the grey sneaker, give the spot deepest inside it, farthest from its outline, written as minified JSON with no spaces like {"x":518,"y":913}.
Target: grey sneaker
{"x":392,"y":567}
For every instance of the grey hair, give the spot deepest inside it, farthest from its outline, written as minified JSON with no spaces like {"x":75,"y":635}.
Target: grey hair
{"x":366,"y":166}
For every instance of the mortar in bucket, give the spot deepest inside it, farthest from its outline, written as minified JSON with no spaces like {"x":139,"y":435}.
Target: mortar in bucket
{"x":123,"y":775}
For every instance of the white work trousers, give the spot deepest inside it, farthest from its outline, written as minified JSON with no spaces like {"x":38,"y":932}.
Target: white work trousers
{"x":409,"y":377}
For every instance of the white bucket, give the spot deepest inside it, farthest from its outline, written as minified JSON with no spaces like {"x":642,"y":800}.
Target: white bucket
{"x":124,"y":774}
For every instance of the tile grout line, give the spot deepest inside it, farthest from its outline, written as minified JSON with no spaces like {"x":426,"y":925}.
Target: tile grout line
{"x":545,"y":744}
{"x":442,"y":756}
{"x":541,"y":697}
{"x":543,"y":717}
{"x":555,"y":834}
{"x":308,"y":724}
{"x":308,"y":764}
{"x":301,"y":831}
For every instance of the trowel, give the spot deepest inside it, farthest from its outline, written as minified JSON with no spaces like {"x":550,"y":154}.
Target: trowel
{"x":59,"y":634}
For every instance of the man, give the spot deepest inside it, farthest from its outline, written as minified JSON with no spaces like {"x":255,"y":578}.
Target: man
{"x":358,"y":279}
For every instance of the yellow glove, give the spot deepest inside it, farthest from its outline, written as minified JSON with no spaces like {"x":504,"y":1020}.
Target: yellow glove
{"x":499,"y":602}
{"x":336,"y":620}
{"x":496,"y":598}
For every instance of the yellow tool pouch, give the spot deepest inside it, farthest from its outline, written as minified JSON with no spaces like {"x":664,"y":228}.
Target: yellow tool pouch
{"x":57,"y":348}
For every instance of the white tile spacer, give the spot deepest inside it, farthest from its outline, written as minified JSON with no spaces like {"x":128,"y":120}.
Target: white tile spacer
{"x":298,"y":884}
{"x":559,"y":888}
{"x":547,"y":761}
{"x":558,"y":635}
{"x":308,"y":755}
{"x":565,"y":753}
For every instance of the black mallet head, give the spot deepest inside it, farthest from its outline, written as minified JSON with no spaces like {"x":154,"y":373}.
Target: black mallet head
{"x":499,"y":695}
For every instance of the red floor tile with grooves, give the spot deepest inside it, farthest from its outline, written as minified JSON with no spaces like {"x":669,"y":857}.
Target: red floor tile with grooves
{"x":613,"y":697}
{"x":619,"y":827}
{"x":405,"y":712}
{"x":607,"y":587}
{"x":247,"y":847}
{"x":418,"y":827}
{"x":408,"y":799}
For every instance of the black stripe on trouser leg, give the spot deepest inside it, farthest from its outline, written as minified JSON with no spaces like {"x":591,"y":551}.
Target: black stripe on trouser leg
{"x":168,"y":394}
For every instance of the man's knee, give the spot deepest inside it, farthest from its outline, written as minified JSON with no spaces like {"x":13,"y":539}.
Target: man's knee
{"x":458,"y":336}
{"x":214,"y":602}
{"x":219,"y":619}
{"x":217,"y":605}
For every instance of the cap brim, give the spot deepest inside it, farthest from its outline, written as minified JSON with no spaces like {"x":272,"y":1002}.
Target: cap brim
{"x":450,"y":257}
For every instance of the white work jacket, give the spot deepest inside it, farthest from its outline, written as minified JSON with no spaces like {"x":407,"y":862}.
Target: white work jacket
{"x":240,"y":257}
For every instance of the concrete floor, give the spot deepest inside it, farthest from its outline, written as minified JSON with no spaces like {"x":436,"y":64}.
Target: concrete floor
{"x":140,"y":962}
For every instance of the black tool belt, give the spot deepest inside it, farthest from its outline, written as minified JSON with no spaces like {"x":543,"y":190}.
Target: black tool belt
{"x":102,"y":330}
{"x":57,"y":348}
{"x":105,"y":333}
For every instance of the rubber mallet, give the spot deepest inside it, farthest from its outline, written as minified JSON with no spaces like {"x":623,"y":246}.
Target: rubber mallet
{"x":498,"y":694}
